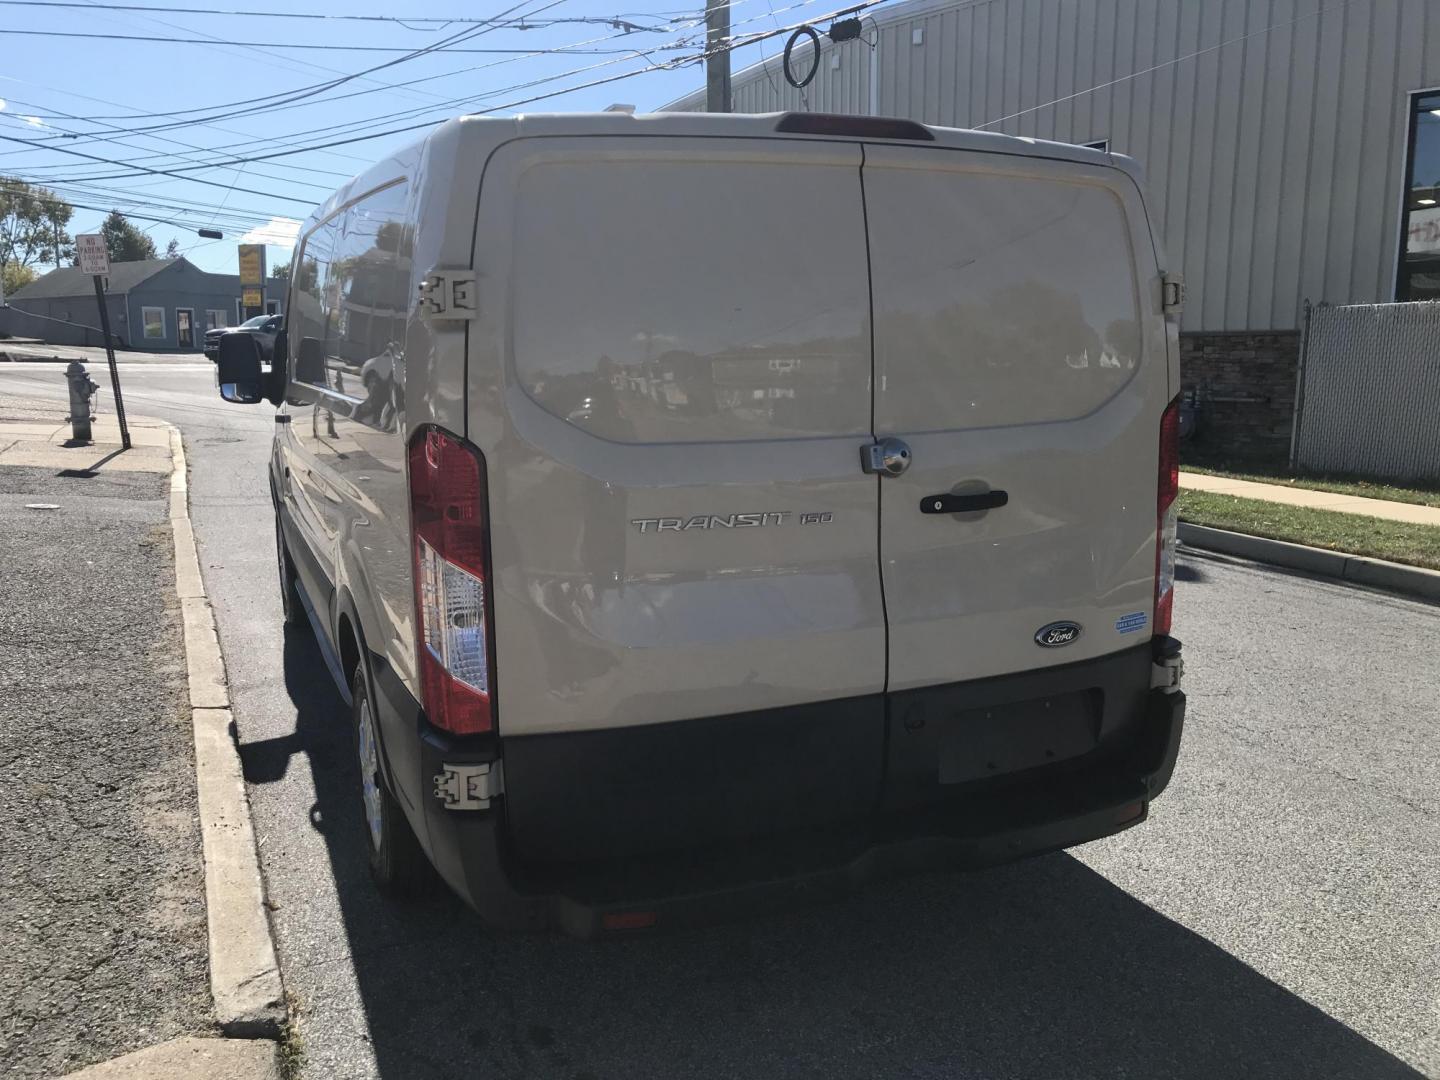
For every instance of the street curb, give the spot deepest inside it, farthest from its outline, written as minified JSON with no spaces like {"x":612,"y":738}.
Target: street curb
{"x":188,"y":1058}
{"x":244,"y":973}
{"x":1412,"y":581}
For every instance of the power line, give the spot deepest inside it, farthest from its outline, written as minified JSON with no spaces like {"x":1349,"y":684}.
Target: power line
{"x":462,"y":102}
{"x":182,"y":155}
{"x":263,"y":56}
{"x":734,"y":43}
{"x":118,"y":105}
{"x":286,"y":96}
{"x":617,"y":21}
{"x":280,"y":141}
{"x":138,"y":217}
{"x":267,"y":57}
{"x":150,"y":38}
{"x":286,"y":140}
{"x":156,"y":172}
{"x":69,"y":192}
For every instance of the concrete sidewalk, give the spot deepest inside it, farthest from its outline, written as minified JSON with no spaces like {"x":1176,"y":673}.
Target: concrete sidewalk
{"x":23,"y":351}
{"x":43,"y":443}
{"x":1410,"y":513}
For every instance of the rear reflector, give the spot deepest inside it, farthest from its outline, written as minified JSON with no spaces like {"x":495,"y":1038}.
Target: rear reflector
{"x":452,"y":613}
{"x":629,"y":920}
{"x":1167,"y":516}
{"x":860,"y":127}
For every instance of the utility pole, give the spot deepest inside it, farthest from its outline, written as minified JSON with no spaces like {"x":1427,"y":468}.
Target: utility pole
{"x":717,"y":56}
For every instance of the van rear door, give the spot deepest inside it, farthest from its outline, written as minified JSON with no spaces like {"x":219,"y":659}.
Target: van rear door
{"x":670,"y":380}
{"x":1018,"y":351}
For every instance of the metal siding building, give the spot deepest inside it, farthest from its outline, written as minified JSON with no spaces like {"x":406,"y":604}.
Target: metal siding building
{"x":1273,"y":132}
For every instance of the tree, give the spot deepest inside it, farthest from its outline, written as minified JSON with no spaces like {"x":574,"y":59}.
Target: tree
{"x":172,"y":249}
{"x":124,"y":241}
{"x":280,"y":273}
{"x":16,"y":277}
{"x":32,"y":219}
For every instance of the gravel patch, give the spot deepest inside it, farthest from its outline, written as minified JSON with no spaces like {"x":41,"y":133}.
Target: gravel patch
{"x":102,"y":914}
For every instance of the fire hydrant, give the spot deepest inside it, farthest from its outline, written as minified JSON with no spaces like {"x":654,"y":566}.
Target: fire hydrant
{"x":82,"y":389}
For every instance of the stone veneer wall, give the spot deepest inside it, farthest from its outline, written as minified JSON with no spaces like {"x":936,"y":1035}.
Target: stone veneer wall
{"x":1246,"y":390}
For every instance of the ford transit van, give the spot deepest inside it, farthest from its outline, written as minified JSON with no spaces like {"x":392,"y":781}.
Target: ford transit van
{"x":702,"y":511}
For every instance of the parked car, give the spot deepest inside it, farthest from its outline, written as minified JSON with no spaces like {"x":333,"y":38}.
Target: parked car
{"x":856,"y":554}
{"x":263,"y":327}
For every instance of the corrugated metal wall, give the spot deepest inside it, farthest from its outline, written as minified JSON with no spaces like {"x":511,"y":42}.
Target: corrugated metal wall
{"x":1272,"y":131}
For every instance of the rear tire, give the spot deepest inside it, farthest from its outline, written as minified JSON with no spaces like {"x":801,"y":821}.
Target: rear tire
{"x":291,"y":608}
{"x":397,"y":863}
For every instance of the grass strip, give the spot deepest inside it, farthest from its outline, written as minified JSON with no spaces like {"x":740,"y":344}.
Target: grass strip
{"x":1355,"y":534}
{"x":1420,"y":494}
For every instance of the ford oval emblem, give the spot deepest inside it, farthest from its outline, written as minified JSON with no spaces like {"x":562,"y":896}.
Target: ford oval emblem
{"x":1055,"y":634}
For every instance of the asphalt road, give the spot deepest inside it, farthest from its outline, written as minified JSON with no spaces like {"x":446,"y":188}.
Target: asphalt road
{"x":1278,"y":916}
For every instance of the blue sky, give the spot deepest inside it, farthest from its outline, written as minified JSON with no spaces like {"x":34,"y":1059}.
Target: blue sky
{"x":75,"y":93}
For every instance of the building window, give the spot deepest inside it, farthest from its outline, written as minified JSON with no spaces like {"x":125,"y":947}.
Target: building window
{"x":153,"y":319}
{"x":1419,"y":273}
{"x":272,"y":307}
{"x":216,"y":319}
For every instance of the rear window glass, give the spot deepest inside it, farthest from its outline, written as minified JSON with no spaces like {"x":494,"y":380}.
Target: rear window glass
{"x":999,"y":299}
{"x":684,"y":301}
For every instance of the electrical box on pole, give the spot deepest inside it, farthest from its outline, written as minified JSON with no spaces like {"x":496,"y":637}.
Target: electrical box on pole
{"x":95,"y":261}
{"x":717,"y":56}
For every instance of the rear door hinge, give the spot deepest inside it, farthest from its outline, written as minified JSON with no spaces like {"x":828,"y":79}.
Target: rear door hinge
{"x":1172,"y":293}
{"x":469,"y":786}
{"x":449,"y":294}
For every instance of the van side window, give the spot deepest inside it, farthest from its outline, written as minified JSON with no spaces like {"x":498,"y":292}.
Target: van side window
{"x":306,"y":325}
{"x":366,"y":300}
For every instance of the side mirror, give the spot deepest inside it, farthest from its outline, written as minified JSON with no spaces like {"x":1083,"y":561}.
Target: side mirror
{"x":238,"y":369}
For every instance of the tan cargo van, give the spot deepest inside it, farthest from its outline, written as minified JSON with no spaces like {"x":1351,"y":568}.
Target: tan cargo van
{"x":704,"y":510}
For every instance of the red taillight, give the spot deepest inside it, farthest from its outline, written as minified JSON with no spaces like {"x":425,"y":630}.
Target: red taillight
{"x":452,"y":609}
{"x":1166,"y":516}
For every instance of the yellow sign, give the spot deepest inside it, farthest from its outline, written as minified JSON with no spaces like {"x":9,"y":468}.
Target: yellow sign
{"x":252,"y":264}
{"x":250,"y":298}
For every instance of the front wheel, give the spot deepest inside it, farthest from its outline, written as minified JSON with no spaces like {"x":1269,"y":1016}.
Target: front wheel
{"x":397,"y":864}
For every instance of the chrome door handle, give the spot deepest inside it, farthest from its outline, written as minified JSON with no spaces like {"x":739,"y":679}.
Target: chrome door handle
{"x":888,"y":457}
{"x":959,"y":504}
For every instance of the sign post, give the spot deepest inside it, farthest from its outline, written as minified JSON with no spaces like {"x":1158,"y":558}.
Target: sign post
{"x":95,"y":261}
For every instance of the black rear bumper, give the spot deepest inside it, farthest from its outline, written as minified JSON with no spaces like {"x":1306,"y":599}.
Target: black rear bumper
{"x":579,"y":836}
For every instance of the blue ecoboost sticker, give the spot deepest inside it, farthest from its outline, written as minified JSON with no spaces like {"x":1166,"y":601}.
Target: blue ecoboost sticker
{"x":1128,"y":624}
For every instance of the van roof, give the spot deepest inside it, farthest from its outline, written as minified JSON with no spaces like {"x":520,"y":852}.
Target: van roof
{"x":473,"y":137}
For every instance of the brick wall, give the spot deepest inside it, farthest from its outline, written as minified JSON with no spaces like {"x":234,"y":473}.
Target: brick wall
{"x":1246,"y":390}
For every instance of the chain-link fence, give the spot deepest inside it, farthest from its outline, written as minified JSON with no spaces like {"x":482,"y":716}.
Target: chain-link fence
{"x":1368,"y":402}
